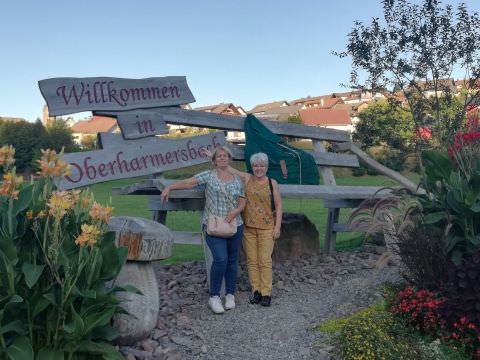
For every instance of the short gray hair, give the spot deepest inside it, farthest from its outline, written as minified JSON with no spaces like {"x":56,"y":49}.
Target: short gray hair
{"x":259,"y":158}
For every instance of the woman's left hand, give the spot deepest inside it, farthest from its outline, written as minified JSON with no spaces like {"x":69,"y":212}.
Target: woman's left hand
{"x":230,"y":216}
{"x":276,"y":233}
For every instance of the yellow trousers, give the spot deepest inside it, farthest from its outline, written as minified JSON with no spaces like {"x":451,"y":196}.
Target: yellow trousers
{"x":258,"y":246}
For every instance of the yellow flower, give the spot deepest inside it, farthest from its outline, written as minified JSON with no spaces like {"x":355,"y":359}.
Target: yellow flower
{"x":41,"y":214}
{"x":29,"y":214}
{"x":75,"y":196}
{"x":51,"y":165}
{"x":60,"y":202}
{"x":89,"y":235}
{"x":99,"y":212}
{"x":85,"y":201}
{"x":7,"y":153}
{"x":10,"y":184}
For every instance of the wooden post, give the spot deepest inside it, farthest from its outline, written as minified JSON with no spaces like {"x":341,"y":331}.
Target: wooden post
{"x":330,"y":233}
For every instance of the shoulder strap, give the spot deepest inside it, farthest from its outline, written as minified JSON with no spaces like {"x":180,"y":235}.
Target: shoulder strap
{"x":272,"y":203}
{"x":225,"y":192}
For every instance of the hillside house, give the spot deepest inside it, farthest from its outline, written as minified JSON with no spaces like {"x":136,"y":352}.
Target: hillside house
{"x":281,"y":113}
{"x":260,"y":109}
{"x":11,"y":119}
{"x":86,"y":130}
{"x":330,"y":118}
{"x":227,"y":109}
{"x":323,"y":102}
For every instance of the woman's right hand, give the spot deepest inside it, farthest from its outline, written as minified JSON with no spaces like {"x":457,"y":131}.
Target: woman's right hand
{"x":164,"y":194}
{"x":206,"y":152}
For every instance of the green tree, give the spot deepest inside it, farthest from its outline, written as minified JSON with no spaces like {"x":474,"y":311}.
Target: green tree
{"x":27,"y":138}
{"x":89,"y":142}
{"x":60,"y":136}
{"x":295,"y":119}
{"x":414,"y":50}
{"x":384,"y":123}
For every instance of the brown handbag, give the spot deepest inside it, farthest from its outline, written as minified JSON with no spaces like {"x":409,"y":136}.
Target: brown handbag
{"x":218,"y":226}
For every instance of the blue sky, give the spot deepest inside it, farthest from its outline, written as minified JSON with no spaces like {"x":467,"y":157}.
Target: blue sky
{"x":246,"y":52}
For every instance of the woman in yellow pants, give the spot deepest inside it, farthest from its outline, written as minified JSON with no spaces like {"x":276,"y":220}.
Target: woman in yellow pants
{"x":262,"y":226}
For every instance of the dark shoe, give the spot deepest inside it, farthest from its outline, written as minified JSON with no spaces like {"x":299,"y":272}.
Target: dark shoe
{"x":255,"y":298}
{"x":266,"y":300}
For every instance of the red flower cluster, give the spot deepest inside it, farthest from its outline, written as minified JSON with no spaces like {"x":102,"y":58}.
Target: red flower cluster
{"x":461,"y":141}
{"x":419,"y":308}
{"x":467,"y":334}
{"x":465,"y":140}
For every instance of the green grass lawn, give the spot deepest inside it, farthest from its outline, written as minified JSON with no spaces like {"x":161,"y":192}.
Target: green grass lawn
{"x":137,"y":205}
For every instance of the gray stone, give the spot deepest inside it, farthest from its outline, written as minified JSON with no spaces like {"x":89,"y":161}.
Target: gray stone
{"x":182,"y":340}
{"x":144,"y":307}
{"x":146,"y":240}
{"x":299,"y":236}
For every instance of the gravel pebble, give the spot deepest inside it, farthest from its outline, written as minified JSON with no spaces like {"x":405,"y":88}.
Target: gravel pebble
{"x":306,"y":292}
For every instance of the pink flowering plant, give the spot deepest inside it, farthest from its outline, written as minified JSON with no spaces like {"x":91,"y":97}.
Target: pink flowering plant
{"x":428,"y":313}
{"x":420,"y":309}
{"x":451,"y":203}
{"x":58,"y":264}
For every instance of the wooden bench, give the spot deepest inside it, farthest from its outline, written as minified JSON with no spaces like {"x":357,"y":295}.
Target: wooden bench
{"x":335,"y":197}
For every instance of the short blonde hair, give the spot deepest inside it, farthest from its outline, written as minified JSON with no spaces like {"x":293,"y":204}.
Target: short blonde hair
{"x":221,"y":148}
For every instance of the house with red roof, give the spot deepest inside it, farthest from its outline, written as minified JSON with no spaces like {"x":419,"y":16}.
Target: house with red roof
{"x":87,"y":129}
{"x":330,"y":118}
{"x":227,"y":109}
{"x":260,"y":109}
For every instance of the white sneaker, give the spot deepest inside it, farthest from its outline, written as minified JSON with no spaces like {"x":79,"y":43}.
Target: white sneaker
{"x":216,"y":305}
{"x":229,"y":302}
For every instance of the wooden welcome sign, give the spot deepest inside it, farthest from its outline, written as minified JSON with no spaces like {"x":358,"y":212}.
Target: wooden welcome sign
{"x":149,"y":156}
{"x":72,"y":95}
{"x":138,"y":151}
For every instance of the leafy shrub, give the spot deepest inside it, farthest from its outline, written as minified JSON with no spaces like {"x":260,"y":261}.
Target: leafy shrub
{"x":451,"y":204}
{"x":376,"y":335}
{"x":420,"y":309}
{"x":422,"y":253}
{"x":57,"y":264}
{"x":359,"y":171}
{"x":393,"y":159}
{"x":464,"y":294}
{"x":429,"y":314}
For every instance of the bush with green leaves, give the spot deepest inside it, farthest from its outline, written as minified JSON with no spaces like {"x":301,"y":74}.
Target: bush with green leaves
{"x":371,"y":333}
{"x":452,"y":203}
{"x":57,"y":268}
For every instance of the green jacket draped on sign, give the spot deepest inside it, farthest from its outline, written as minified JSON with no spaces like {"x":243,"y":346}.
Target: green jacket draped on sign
{"x":286,"y":164}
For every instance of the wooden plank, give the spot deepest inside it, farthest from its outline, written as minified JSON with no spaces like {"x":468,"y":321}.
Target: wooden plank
{"x":154,"y":204}
{"x":325,"y":159}
{"x":342,"y":203}
{"x":325,"y":172}
{"x":185,"y":237}
{"x":91,"y":167}
{"x":136,"y":126}
{"x":71,"y":95}
{"x":330,"y":234}
{"x":325,"y":192}
{"x":107,"y":140}
{"x":175,"y":115}
{"x":345,"y":228}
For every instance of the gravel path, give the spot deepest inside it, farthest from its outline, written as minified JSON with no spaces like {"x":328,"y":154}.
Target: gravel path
{"x":306,"y":292}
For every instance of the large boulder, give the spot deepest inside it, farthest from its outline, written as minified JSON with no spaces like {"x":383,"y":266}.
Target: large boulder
{"x":146,"y":240}
{"x":298,"y":236}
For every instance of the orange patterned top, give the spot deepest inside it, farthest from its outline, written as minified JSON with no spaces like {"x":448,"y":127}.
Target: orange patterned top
{"x":258,"y":211}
